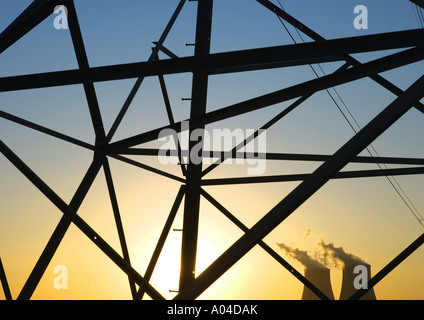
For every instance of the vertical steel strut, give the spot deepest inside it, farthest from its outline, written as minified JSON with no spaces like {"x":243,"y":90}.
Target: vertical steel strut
{"x":194,"y":169}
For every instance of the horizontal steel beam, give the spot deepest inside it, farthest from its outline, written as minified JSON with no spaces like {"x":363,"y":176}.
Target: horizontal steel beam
{"x":376,"y":66}
{"x":287,"y":55}
{"x":301,"y":177}
{"x":274,"y":156}
{"x":322,"y":158}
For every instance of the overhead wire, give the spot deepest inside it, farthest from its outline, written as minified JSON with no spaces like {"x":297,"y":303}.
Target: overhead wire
{"x":392,"y":180}
{"x":419,"y":14}
{"x":415,"y":14}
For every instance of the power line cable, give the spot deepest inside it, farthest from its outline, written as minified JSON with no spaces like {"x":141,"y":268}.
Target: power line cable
{"x":418,"y":13}
{"x":392,"y":180}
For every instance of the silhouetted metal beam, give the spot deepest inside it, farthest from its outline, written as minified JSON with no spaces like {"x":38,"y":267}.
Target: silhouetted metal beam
{"x":166,"y":51}
{"x":4,"y":282}
{"x":221,"y":69}
{"x":287,"y":55}
{"x":264,"y":246}
{"x":303,"y":89}
{"x":90,"y":92}
{"x":59,"y":232}
{"x":65,"y":222}
{"x":45,"y":130}
{"x":419,"y":3}
{"x":171,"y":121}
{"x":139,"y":81}
{"x":77,"y":220}
{"x":118,"y":222}
{"x":303,"y":176}
{"x":349,"y":59}
{"x":194,"y":170}
{"x":35,"y":13}
{"x":162,"y":238}
{"x":148,"y":168}
{"x":277,"y":156}
{"x":326,"y":51}
{"x":389,"y":267}
{"x":305,"y":190}
{"x":358,"y":159}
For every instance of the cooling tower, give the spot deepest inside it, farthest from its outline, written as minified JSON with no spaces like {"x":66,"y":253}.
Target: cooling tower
{"x":348,"y":288}
{"x":319,"y":277}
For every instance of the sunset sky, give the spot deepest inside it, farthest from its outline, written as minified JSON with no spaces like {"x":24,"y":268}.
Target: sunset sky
{"x":364,"y":216}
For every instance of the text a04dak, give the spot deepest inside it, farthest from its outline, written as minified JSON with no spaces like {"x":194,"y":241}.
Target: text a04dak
{"x":215,"y":309}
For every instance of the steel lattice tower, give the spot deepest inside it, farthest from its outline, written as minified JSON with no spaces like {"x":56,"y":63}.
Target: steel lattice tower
{"x":202,"y":65}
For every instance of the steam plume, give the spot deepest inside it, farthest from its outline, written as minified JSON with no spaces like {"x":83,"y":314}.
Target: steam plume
{"x":301,"y":256}
{"x":326,"y":255}
{"x":307,"y":233}
{"x":335,"y":256}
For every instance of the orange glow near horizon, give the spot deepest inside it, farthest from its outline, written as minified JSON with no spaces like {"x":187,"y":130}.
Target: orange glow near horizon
{"x":365,"y":216}
{"x":256,"y":276}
